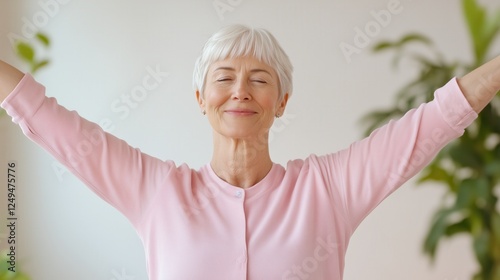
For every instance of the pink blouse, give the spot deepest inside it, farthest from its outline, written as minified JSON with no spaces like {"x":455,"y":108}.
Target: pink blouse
{"x":294,"y":224}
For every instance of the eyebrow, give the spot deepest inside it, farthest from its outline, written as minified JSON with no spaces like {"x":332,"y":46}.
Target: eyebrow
{"x":252,"y":71}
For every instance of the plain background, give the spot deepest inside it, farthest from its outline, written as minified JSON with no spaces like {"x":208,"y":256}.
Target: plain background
{"x":103,"y":49}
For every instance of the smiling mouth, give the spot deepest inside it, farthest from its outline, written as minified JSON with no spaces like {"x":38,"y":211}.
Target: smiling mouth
{"x":241,"y":112}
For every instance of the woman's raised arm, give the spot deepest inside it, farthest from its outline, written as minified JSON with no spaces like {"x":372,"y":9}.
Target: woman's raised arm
{"x":120,"y":174}
{"x":9,"y":78}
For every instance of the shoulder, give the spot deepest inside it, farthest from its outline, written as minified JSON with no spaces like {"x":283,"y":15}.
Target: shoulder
{"x":311,"y":164}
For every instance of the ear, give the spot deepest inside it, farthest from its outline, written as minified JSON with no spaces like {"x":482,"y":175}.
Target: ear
{"x":200,"y":100}
{"x":282,"y":105}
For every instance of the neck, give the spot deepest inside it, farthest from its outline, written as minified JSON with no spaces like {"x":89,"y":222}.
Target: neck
{"x":241,"y":162}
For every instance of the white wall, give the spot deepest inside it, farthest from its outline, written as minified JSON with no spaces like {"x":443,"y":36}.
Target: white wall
{"x":102,"y":49}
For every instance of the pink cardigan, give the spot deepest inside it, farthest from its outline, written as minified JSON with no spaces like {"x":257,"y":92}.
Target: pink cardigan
{"x":294,"y":224}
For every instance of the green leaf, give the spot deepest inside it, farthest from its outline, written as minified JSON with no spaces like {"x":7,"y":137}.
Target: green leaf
{"x":474,"y":193}
{"x":465,"y":195}
{"x":495,"y":232}
{"x":377,"y":118}
{"x":491,"y":118}
{"x":43,"y":39}
{"x":481,"y":247}
{"x":482,"y":29}
{"x":6,"y":274}
{"x":25,"y":51}
{"x":495,"y":226}
{"x":461,"y":227}
{"x":475,"y":17}
{"x":415,"y":37}
{"x":437,"y":230}
{"x":465,"y":154}
{"x":482,"y":192}
{"x":409,"y":38}
{"x":383,"y":46}
{"x":477,"y":222}
{"x":496,"y":151}
{"x":37,"y":66}
{"x":436,"y":173}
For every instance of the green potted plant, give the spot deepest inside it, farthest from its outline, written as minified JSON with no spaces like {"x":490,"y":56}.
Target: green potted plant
{"x":469,"y":167}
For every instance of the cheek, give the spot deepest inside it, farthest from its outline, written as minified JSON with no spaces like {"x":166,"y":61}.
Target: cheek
{"x":270,"y":104}
{"x":214,"y":100}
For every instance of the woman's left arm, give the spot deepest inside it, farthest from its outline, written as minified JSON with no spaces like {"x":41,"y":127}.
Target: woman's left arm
{"x":481,"y":85}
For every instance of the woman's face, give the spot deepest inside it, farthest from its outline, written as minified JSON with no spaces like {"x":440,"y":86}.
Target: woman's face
{"x":241,"y":97}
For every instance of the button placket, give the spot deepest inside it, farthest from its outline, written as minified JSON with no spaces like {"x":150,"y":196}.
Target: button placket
{"x":242,"y":258}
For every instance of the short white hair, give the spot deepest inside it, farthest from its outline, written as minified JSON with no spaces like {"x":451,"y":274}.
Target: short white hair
{"x":237,"y":41}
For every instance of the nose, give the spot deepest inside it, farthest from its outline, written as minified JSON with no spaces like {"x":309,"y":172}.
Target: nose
{"x":241,"y":91}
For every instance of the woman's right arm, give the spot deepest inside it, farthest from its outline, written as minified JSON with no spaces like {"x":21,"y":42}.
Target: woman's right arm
{"x":120,"y":174}
{"x":9,"y":78}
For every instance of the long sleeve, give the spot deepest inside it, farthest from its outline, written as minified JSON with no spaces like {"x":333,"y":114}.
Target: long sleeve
{"x":369,"y":170}
{"x":118,"y":173}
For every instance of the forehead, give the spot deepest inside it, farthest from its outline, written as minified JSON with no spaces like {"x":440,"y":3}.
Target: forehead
{"x":245,"y":63}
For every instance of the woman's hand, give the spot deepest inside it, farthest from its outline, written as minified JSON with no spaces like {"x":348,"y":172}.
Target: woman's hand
{"x":482,"y":84}
{"x":9,"y":78}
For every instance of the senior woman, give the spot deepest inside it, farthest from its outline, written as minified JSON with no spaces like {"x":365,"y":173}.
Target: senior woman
{"x":241,"y":216}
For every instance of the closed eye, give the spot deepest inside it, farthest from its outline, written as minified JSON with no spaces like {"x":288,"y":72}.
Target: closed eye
{"x":259,"y":81}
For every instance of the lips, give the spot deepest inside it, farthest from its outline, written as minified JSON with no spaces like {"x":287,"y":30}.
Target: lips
{"x":242,"y":112}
